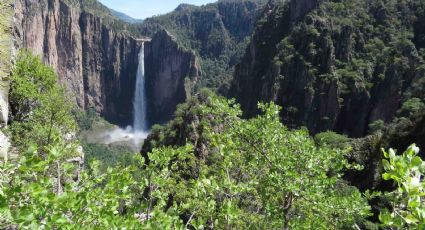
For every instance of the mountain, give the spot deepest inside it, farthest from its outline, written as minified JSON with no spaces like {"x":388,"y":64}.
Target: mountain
{"x":217,"y":32}
{"x":94,"y":50}
{"x":335,"y":65}
{"x":125,"y":17}
{"x":82,"y":42}
{"x":95,"y":54}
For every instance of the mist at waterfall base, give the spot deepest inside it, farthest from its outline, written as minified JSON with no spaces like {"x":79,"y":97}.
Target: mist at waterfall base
{"x":134,"y":135}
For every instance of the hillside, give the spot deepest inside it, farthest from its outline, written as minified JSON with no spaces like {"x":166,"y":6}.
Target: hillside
{"x":217,"y":32}
{"x":335,"y":65}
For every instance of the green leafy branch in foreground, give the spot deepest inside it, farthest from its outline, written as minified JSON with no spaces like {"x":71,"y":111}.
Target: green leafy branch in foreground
{"x":408,"y":200}
{"x":30,"y":197}
{"x":41,"y":108}
{"x":256,"y":174}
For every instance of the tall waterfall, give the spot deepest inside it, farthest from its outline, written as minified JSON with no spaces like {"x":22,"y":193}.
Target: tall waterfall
{"x":140,"y":123}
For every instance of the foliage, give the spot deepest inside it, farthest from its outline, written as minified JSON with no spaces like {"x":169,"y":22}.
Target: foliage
{"x":40,"y":107}
{"x":368,"y":51}
{"x":411,"y":106}
{"x":88,"y":119}
{"x":283,"y":170}
{"x":408,"y":199}
{"x":259,"y":171}
{"x":108,"y":156}
{"x":218,"y":33}
{"x":30,"y":195}
{"x":332,"y":139}
{"x":254,"y":174}
{"x":376,"y":126}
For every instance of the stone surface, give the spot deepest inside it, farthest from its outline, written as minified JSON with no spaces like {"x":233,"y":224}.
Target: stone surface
{"x":96,"y":63}
{"x":328,"y":74}
{"x":171,"y":74}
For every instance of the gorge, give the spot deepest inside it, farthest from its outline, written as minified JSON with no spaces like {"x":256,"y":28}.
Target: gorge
{"x":237,"y":114}
{"x":96,"y":56}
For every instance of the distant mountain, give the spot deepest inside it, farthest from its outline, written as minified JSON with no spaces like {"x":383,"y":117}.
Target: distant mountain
{"x":125,"y":17}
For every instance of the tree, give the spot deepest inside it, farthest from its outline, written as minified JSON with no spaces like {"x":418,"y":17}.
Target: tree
{"x":41,"y":107}
{"x":252,"y":174}
{"x":283,"y":178}
{"x":408,"y":199}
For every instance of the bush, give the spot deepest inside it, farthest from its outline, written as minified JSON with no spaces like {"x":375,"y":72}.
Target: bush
{"x":407,"y":200}
{"x":332,"y":139}
{"x":41,"y":108}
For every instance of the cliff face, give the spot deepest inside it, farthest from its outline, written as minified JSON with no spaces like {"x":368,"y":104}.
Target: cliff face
{"x":96,"y":63}
{"x":330,"y":73}
{"x":171,"y":74}
{"x":217,"y":32}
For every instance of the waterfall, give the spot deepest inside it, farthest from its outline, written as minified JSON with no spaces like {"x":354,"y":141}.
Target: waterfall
{"x":140,"y":123}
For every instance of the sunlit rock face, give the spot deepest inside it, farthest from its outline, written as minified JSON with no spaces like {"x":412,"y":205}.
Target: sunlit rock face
{"x":96,"y":63}
{"x":171,"y":74}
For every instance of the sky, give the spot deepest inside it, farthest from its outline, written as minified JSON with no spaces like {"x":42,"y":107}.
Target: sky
{"x":141,"y":9}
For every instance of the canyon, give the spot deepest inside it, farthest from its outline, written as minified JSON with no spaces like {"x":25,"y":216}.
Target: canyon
{"x":326,"y":73}
{"x":98,"y":63}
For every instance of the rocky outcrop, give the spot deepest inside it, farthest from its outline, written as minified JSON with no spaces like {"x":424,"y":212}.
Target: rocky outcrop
{"x":97,"y":63}
{"x":171,"y":74}
{"x":218,"y":32}
{"x":330,"y":73}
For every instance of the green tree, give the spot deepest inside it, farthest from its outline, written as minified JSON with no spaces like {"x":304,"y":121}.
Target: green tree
{"x":408,"y":199}
{"x":41,"y":107}
{"x":240,"y":174}
{"x":290,"y":182}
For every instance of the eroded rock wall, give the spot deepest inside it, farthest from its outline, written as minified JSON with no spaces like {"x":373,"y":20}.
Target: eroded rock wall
{"x":97,"y":63}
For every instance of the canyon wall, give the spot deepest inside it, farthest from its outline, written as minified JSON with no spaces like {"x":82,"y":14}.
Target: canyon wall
{"x":329,"y":73}
{"x":171,"y":75}
{"x":97,"y":63}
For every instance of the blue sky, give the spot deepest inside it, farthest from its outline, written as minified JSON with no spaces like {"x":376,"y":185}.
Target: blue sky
{"x":141,"y":9}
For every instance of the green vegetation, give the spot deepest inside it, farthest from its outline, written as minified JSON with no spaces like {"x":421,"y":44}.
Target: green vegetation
{"x":208,"y":168}
{"x":252,"y":174}
{"x":333,"y":140}
{"x":362,"y":59}
{"x":107,"y":156}
{"x":407,"y":209}
{"x":218,"y":33}
{"x":40,"y":107}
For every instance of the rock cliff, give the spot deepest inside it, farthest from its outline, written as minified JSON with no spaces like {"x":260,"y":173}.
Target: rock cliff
{"x":217,"y":32}
{"x":96,"y":62}
{"x":171,"y":75}
{"x":334,"y":65}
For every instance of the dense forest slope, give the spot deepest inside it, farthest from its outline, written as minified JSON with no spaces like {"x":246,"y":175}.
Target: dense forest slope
{"x":335,"y":65}
{"x":217,"y":32}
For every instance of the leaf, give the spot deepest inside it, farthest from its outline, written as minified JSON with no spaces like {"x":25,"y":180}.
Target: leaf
{"x":386,"y":176}
{"x":410,"y":219}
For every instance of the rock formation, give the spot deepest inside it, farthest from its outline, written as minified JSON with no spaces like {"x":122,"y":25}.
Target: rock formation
{"x":329,"y":73}
{"x":171,"y":74}
{"x":96,"y":62}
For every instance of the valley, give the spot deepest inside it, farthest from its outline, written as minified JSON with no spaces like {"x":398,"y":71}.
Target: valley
{"x":237,"y":114}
